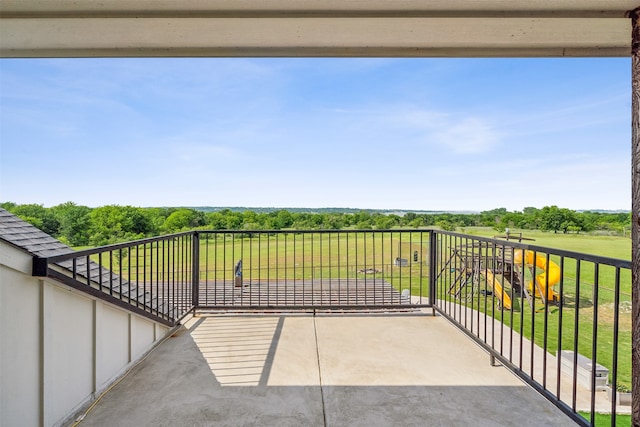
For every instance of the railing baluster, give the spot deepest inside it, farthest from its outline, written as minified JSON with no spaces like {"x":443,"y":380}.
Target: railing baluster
{"x":151,"y":281}
{"x":88,"y":269}
{"x":545,"y":323}
{"x":174,"y":294}
{"x":129,"y":274}
{"x":110,"y":272}
{"x":560,"y":314}
{"x":576,"y":323}
{"x":195,"y":266}
{"x":594,"y":338}
{"x":277,"y":269}
{"x":224,"y":268}
{"x":614,"y":368}
{"x":100,"y":285}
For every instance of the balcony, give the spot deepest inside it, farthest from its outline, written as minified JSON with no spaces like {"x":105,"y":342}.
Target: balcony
{"x":328,"y":369}
{"x":381,"y":327}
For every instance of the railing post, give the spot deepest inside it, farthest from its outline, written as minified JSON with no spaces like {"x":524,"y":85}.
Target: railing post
{"x":40,"y":267}
{"x":195,"y":271}
{"x":635,"y":221}
{"x":433,"y":256}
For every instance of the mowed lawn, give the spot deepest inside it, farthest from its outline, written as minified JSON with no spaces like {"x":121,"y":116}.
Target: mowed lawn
{"x":606,"y":246}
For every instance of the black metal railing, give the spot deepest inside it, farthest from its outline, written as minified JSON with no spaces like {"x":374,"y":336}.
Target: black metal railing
{"x":313,"y":269}
{"x":549,"y":315}
{"x":152,"y":277}
{"x":167,"y":277}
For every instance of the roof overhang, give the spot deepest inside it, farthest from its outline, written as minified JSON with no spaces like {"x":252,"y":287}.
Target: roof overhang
{"x":409,"y":28}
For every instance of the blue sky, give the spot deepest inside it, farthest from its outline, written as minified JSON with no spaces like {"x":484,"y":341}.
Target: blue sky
{"x":429,"y":134}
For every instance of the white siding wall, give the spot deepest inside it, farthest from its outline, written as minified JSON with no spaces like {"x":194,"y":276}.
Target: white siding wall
{"x":59,"y":347}
{"x":19,"y":349}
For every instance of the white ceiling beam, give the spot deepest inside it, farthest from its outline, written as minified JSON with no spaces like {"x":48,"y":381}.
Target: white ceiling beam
{"x":438,"y":37}
{"x":436,"y":28}
{"x":451,"y":8}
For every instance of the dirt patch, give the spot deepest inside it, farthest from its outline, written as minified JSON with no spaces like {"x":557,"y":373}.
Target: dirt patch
{"x":606,"y":314}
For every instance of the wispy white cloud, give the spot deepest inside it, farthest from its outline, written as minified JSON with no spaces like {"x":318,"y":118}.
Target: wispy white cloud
{"x":457,"y":133}
{"x":583,"y":114}
{"x":468,"y":136}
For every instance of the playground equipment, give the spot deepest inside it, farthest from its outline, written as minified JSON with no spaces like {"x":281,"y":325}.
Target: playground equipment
{"x":498,"y":290}
{"x":502,"y":270}
{"x":546,"y":280}
{"x":508,"y":235}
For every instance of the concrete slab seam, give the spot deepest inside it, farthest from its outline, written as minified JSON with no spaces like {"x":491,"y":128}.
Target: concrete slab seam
{"x":315,"y":332}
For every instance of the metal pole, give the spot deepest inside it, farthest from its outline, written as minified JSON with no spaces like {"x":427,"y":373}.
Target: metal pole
{"x":433,"y":256}
{"x":195,"y":271}
{"x":635,"y":202}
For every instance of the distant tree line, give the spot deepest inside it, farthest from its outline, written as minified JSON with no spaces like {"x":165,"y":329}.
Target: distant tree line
{"x":79,"y":225}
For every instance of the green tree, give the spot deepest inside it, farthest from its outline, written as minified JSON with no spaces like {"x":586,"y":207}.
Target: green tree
{"x":386,"y":222}
{"x":428,"y":219}
{"x":216,"y":220}
{"x":509,"y":220}
{"x":317,"y":220}
{"x":284,"y":219}
{"x":332,"y":222}
{"x":530,"y":218}
{"x":74,"y":223}
{"x":362,"y":220}
{"x":416,"y":223}
{"x":493,"y":218}
{"x":39,"y":216}
{"x":383,"y":223}
{"x":114,"y":223}
{"x":234,"y":220}
{"x":551,"y":218}
{"x":250,"y":217}
{"x":183,"y":219}
{"x":408,"y":218}
{"x":364,"y":225}
{"x":446,"y":225}
{"x":157,"y":217}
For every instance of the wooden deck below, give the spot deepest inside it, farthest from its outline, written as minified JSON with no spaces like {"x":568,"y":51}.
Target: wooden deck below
{"x":303,"y":293}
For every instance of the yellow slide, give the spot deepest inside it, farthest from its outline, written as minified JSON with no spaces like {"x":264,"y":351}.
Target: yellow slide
{"x":504,"y":298}
{"x":550,"y":275}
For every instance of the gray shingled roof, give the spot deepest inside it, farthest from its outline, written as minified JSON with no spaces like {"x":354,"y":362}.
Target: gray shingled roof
{"x":31,"y":239}
{"x":23,"y":235}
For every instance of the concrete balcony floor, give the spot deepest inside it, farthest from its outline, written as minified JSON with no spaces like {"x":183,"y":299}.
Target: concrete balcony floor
{"x":324,"y":370}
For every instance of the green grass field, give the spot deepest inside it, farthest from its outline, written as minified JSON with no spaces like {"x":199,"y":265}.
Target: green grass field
{"x":604,"y":420}
{"x":606,"y":246}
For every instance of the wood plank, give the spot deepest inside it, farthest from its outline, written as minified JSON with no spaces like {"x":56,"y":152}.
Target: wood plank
{"x":329,"y":292}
